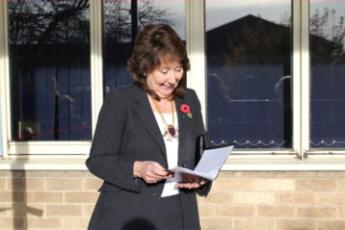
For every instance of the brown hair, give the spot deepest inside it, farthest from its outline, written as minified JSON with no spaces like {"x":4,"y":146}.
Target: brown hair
{"x":150,"y":46}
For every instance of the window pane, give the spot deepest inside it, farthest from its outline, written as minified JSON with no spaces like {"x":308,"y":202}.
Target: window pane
{"x":50,"y":70}
{"x":120,"y":29}
{"x":249,"y":72}
{"x":327,"y":31}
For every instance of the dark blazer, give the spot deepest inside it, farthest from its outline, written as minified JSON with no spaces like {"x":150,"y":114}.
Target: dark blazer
{"x":127,"y":131}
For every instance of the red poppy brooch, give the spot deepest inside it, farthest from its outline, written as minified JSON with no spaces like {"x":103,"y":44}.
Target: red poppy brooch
{"x":185,"y":109}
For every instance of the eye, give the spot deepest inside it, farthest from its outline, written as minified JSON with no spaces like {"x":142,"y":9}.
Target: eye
{"x":178,"y":69}
{"x":164,"y":71}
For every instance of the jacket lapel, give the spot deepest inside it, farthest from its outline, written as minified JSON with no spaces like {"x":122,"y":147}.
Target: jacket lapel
{"x":182,"y":131}
{"x":144,"y":112}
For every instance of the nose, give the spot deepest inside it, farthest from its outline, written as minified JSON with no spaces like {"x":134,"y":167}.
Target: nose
{"x":173,"y":78}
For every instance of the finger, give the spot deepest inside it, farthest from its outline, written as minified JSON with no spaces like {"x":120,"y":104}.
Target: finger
{"x":150,"y":169}
{"x":188,"y":185}
{"x":156,"y":176}
{"x":150,"y":180}
{"x":202,"y":182}
{"x":159,"y":171}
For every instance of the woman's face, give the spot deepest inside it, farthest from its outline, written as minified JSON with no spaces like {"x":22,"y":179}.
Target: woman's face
{"x":164,"y":79}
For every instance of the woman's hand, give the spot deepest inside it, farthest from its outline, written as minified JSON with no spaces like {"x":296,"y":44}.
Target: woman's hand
{"x":191,"y":182}
{"x":150,"y":171}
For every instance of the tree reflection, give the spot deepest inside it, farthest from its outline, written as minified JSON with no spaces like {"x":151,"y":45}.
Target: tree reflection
{"x":48,"y":21}
{"x":118,"y":18}
{"x":67,"y":21}
{"x":122,"y":20}
{"x":328,"y":36}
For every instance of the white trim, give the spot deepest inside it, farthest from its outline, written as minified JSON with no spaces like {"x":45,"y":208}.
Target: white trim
{"x":96,"y":60}
{"x":234,"y":163}
{"x":264,"y":152}
{"x":285,"y":164}
{"x":301,"y":81}
{"x":4,"y":80}
{"x":195,"y":37}
{"x":296,"y":77}
{"x":43,"y":163}
{"x":2,"y":76}
{"x":321,"y":151}
{"x":305,"y":79}
{"x":50,"y":147}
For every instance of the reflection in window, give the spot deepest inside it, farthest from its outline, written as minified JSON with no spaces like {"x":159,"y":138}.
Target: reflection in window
{"x":50,"y":70}
{"x":122,"y":20}
{"x":327,"y":53}
{"x":249,"y":73}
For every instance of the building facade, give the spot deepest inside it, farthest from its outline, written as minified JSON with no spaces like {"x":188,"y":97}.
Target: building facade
{"x":269,"y":75}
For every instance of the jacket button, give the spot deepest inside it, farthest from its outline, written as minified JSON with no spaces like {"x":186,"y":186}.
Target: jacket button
{"x":154,"y":194}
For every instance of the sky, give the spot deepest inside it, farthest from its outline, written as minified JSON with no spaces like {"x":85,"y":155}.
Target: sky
{"x":219,"y":12}
{"x":217,"y":15}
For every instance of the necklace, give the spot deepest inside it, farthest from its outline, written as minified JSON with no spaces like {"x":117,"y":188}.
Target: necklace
{"x":169,"y":128}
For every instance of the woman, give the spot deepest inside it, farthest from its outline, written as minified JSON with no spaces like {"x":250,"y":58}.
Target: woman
{"x":143,"y":131}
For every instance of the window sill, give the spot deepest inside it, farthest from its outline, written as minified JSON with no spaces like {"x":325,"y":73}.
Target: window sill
{"x":44,"y":163}
{"x":285,"y":163}
{"x":234,"y":163}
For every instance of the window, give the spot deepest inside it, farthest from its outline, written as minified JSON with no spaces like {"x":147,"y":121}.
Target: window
{"x":268,"y":73}
{"x":248,"y":50}
{"x":49,"y":53}
{"x":326,"y":39}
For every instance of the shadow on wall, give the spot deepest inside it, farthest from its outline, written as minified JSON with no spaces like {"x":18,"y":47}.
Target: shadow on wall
{"x":20,"y":207}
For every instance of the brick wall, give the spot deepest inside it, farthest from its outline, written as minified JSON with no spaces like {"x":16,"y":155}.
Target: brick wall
{"x":238,"y":200}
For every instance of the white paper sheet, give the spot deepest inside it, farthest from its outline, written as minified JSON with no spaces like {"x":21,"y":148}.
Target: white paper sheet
{"x":209,"y":165}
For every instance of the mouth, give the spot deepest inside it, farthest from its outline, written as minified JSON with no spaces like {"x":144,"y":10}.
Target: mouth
{"x":169,"y":87}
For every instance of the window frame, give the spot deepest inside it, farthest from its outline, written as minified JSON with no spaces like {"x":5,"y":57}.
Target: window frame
{"x":4,"y":73}
{"x":301,"y":85}
{"x":306,"y":151}
{"x":296,"y":73}
{"x":196,"y":79}
{"x":13,"y":148}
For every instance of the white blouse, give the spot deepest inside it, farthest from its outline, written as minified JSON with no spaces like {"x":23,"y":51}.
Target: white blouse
{"x":171,"y":146}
